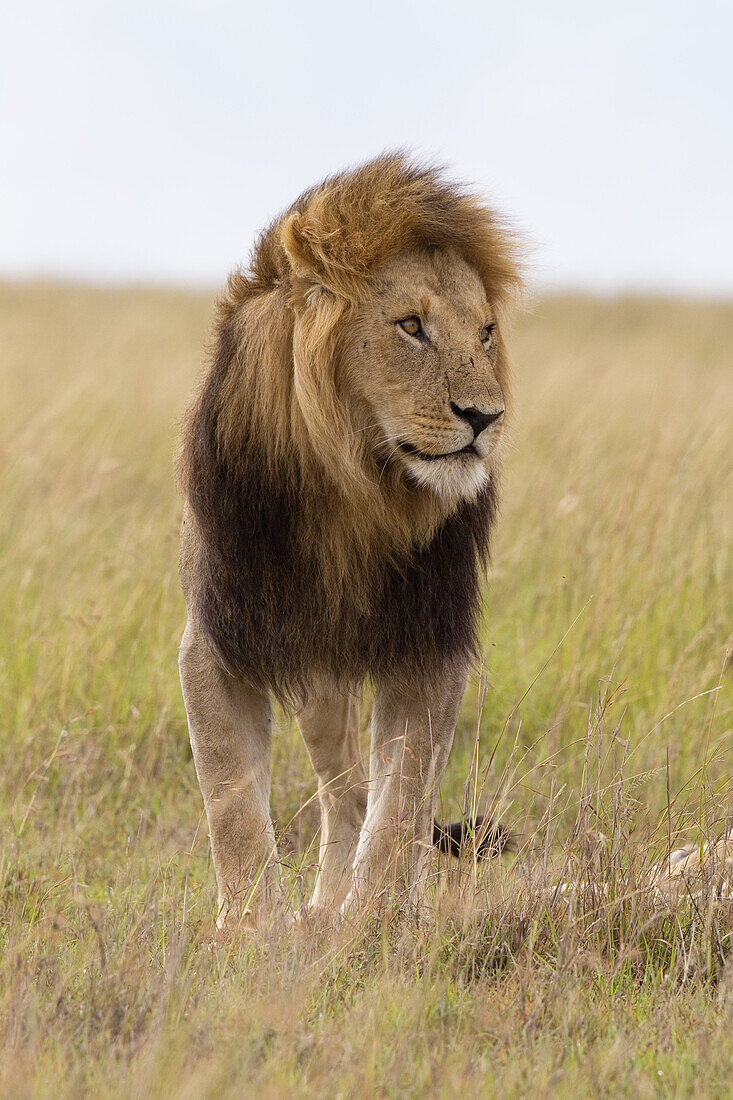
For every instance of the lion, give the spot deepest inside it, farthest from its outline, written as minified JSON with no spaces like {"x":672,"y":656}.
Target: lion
{"x":340,"y":467}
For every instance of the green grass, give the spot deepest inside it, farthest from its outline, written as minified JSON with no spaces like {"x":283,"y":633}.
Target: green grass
{"x":600,"y":728}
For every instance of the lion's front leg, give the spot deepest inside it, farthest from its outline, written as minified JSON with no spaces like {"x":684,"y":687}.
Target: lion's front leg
{"x":330,"y":728}
{"x":230,"y":729}
{"x":412,"y":734}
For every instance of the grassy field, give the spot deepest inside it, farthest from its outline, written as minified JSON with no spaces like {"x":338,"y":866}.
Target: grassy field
{"x":600,"y":730}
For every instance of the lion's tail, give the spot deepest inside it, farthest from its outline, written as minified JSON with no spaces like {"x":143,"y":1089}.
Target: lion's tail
{"x":490,"y":837}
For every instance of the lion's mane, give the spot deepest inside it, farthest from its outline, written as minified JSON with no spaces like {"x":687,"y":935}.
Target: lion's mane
{"x":302,"y":556}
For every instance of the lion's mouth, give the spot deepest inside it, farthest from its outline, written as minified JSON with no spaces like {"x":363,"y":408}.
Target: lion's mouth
{"x":409,"y":449}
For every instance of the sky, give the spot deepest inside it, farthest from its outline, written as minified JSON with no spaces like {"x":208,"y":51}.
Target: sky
{"x":150,"y":141}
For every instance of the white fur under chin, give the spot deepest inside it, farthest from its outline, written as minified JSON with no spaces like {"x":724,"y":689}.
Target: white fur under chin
{"x":453,"y":479}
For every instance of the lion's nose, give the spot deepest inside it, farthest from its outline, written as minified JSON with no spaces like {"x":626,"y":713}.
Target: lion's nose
{"x":475,"y":417}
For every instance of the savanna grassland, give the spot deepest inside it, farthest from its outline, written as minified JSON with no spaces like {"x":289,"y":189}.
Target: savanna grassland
{"x":600,"y":729}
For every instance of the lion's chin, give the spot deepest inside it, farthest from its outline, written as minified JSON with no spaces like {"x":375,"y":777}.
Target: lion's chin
{"x":453,"y":479}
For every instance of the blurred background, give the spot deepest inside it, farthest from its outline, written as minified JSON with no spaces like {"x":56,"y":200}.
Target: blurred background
{"x":149,"y":141}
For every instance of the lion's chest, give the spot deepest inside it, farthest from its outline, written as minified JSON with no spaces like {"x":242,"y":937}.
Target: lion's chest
{"x":270,"y":614}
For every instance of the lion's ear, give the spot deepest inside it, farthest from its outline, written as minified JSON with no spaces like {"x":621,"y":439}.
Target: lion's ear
{"x":305,"y":282}
{"x":308,"y":281}
{"x":317,"y":254}
{"x":302,"y":250}
{"x":327,"y":246}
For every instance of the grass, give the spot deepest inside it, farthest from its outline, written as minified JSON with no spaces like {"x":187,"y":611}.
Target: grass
{"x":600,"y":728}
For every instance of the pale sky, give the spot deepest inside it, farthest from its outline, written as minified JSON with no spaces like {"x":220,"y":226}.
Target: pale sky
{"x":149,"y":141}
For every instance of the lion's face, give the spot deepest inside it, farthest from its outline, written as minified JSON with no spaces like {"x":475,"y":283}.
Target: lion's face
{"x":424,"y":362}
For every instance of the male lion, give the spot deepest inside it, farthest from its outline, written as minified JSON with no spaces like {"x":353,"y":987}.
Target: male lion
{"x":339,"y":466}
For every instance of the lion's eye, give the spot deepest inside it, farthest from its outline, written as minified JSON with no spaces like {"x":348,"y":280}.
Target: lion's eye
{"x":486,"y":335}
{"x":411,"y":325}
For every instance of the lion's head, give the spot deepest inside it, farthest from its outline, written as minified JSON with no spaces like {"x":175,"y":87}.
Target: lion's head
{"x":397,"y":283}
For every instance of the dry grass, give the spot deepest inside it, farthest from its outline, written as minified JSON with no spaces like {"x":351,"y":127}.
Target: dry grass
{"x":601,"y":729}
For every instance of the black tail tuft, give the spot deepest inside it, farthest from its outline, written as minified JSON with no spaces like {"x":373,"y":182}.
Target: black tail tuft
{"x":491,"y":837}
